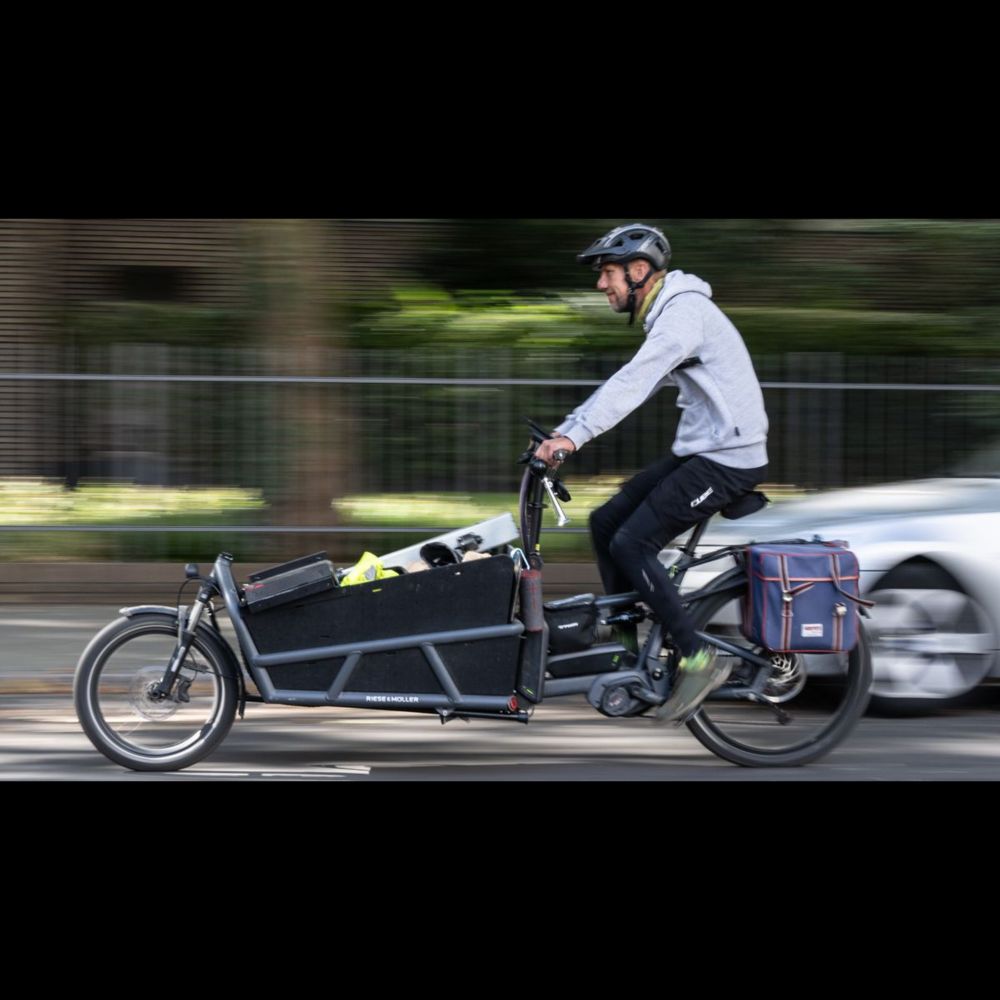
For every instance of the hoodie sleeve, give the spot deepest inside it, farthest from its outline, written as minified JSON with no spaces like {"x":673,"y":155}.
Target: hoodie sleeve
{"x":675,"y":336}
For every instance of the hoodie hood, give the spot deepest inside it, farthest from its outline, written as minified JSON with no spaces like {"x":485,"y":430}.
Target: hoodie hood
{"x":675,"y":283}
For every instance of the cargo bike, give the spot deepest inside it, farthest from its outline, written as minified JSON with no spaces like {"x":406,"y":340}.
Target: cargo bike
{"x":471,"y":638}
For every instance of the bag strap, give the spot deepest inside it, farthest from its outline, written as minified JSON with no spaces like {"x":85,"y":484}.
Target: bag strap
{"x":787,"y":590}
{"x":835,"y":570}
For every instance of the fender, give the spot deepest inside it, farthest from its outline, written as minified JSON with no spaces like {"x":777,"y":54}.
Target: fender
{"x":146,"y":609}
{"x":204,"y":632}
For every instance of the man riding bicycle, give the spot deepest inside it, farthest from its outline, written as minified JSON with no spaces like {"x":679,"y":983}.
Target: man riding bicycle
{"x":718,"y":454}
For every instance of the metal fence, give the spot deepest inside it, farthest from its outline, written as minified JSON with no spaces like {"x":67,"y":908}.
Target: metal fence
{"x":373,"y":423}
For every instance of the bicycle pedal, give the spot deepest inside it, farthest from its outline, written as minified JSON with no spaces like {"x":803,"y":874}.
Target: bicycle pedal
{"x":630,"y":617}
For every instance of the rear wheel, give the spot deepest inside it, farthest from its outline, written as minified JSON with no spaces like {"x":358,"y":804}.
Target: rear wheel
{"x":822,"y":698}
{"x":118,"y":708}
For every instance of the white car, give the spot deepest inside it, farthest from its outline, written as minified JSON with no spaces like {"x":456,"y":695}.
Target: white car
{"x":929,"y":553}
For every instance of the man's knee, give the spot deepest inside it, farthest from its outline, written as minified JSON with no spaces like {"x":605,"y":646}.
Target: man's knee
{"x":626,"y":547}
{"x":602,"y":522}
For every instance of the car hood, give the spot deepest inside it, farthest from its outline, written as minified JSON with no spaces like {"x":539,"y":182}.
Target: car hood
{"x":863,"y":505}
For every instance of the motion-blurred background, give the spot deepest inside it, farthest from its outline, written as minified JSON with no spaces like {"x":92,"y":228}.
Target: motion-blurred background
{"x":172,"y":388}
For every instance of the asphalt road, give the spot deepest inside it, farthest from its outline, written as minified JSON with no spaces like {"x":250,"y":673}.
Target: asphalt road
{"x":41,"y":739}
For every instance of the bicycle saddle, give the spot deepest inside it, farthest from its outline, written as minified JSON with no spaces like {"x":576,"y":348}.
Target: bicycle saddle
{"x":746,"y":505}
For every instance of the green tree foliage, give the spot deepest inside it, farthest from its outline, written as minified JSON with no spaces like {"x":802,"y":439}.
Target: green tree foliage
{"x":872,"y":287}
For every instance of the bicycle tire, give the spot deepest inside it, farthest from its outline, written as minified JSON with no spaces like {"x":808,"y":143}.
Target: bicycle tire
{"x":750,"y":734}
{"x":112,"y":704}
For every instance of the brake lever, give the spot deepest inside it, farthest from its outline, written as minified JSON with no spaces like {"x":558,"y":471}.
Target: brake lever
{"x":561,"y":491}
{"x":537,"y":434}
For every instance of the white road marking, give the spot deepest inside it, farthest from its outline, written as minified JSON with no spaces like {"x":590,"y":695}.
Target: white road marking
{"x":326,"y":771}
{"x":45,"y":623}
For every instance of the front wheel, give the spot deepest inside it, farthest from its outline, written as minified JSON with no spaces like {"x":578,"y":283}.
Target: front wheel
{"x":115,"y":702}
{"x":813,"y":700}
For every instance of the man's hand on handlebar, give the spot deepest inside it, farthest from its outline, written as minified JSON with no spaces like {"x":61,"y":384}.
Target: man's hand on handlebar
{"x":546,"y":451}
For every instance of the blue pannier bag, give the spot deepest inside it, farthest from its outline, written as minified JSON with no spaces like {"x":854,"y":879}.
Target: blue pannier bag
{"x":802,"y":597}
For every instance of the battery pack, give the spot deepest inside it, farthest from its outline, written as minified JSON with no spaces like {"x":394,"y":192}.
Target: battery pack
{"x":289,"y":582}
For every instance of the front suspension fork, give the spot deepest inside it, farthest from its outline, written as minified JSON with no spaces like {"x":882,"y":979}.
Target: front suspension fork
{"x":185,"y":636}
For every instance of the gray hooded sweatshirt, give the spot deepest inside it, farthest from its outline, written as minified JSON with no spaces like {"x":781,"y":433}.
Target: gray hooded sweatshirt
{"x":722,"y":407}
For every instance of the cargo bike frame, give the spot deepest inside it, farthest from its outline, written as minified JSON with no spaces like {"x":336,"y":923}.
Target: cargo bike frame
{"x":159,"y":688}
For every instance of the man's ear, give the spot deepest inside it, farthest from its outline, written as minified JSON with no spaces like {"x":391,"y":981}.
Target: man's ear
{"x":639,"y":269}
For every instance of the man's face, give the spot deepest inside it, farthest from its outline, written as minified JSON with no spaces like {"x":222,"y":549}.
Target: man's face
{"x":612,"y":282}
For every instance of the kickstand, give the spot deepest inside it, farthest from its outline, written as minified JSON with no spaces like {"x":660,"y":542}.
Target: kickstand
{"x":780,"y":714}
{"x":446,"y":715}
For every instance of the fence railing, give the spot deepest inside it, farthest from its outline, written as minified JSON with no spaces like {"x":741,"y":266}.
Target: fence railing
{"x":377,"y":423}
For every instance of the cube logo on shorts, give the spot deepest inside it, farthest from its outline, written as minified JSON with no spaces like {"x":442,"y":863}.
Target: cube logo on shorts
{"x":703,"y":497}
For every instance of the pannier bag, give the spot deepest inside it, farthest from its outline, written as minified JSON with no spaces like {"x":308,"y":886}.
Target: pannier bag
{"x":802,"y":598}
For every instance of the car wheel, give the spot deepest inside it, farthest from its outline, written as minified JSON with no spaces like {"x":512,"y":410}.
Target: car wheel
{"x":932,"y":643}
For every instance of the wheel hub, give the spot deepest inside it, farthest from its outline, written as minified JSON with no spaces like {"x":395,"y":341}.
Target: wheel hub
{"x":929,"y":643}
{"x":145,"y":700}
{"x":788,"y":678}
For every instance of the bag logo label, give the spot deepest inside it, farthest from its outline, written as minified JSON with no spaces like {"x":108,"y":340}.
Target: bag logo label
{"x":703,"y":497}
{"x":812,"y":631}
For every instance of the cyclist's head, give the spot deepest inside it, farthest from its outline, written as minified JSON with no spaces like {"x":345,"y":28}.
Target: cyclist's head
{"x":612,"y":254}
{"x":625,"y":243}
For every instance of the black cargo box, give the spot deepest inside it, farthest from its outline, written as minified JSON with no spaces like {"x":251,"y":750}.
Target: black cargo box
{"x":468,"y":595}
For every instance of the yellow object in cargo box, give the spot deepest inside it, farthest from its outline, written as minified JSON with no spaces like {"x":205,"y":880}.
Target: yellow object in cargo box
{"x":367,"y":569}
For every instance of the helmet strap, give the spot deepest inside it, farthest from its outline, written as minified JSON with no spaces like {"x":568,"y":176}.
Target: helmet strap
{"x":633,"y":287}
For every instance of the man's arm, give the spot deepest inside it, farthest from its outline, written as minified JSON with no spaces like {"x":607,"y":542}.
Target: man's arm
{"x":676,"y":336}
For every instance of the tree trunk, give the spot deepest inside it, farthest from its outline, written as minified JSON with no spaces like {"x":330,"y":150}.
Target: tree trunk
{"x":299,"y":327}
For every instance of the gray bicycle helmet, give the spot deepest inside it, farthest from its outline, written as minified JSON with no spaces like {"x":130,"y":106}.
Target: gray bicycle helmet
{"x":626,"y":243}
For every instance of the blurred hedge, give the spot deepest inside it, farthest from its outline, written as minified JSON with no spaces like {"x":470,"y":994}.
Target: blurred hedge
{"x":421,"y":316}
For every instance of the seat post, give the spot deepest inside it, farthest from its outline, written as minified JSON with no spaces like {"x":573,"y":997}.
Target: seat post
{"x":691,"y":546}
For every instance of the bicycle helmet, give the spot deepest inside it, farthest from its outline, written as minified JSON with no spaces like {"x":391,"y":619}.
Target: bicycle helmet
{"x":626,"y":243}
